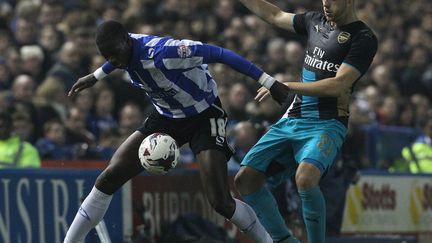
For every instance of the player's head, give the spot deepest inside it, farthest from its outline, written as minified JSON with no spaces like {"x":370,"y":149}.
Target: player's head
{"x":338,"y":11}
{"x":113,"y":42}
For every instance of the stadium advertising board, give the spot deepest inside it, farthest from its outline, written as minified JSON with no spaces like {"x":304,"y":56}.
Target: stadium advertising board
{"x":387,"y":204}
{"x":159,"y":200}
{"x":38,"y":205}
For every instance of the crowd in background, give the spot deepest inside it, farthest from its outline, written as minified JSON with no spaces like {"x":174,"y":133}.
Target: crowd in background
{"x":46,"y":45}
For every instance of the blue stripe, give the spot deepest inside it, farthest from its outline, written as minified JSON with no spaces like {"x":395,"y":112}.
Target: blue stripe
{"x":309,"y":106}
{"x":185,"y":84}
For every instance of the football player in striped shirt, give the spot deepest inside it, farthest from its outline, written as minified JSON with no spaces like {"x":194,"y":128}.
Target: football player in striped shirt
{"x":175,"y":76}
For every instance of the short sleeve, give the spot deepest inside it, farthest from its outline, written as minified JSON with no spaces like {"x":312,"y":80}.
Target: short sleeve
{"x":363,"y":49}
{"x":301,"y":22}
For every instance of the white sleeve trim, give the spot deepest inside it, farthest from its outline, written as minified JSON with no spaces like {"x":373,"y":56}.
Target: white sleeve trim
{"x":266,"y":80}
{"x":99,"y":74}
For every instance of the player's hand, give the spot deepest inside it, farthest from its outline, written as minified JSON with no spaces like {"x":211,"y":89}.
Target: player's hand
{"x":82,"y":83}
{"x":262,"y":93}
{"x":279,"y":92}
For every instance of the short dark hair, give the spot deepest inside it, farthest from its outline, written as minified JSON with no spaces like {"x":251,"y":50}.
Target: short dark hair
{"x":110,"y":32}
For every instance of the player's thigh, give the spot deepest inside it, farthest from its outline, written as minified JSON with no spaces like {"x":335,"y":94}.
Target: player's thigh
{"x":273,"y":144}
{"x":319,"y":143}
{"x":123,"y":165}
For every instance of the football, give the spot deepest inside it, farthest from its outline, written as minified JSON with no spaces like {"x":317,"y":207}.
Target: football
{"x":158,"y":153}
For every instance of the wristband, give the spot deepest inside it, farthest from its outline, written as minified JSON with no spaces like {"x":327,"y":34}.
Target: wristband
{"x":99,"y":73}
{"x":266,"y":80}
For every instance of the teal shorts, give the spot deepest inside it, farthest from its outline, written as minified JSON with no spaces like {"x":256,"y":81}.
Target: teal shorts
{"x":294,"y":140}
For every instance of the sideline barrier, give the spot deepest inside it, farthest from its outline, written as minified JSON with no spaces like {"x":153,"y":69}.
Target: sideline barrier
{"x":382,"y":203}
{"x":37,"y":205}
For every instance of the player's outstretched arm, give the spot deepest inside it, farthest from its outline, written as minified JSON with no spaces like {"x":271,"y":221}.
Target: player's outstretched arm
{"x":329,"y":87}
{"x":90,"y":79}
{"x":82,"y":83}
{"x":270,"y":13}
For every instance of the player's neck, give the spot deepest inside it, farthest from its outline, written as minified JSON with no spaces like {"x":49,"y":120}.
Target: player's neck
{"x":347,"y":19}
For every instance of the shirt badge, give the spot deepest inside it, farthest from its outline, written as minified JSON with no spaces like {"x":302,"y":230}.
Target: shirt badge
{"x":343,"y":37}
{"x":184,"y":51}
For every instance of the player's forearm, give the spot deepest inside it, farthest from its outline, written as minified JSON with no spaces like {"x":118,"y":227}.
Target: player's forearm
{"x":263,"y":9}
{"x":330,"y":87}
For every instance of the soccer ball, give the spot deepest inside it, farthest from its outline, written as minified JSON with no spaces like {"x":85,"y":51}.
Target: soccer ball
{"x":158,"y":153}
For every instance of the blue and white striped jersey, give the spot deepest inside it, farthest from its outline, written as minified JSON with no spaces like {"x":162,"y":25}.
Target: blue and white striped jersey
{"x":175,"y":75}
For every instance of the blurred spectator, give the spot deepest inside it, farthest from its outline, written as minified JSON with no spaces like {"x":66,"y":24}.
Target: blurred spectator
{"x":109,"y":140}
{"x":102,"y":117}
{"x":25,"y":32}
{"x":130,"y":119}
{"x":84,"y":101}
{"x":23,"y":127}
{"x":32,"y":58}
{"x":50,"y":39}
{"x":52,"y":144}
{"x":51,"y":12}
{"x":5,"y":76}
{"x":50,"y":99}
{"x":23,"y":88}
{"x":419,"y":154}
{"x":238,"y":97}
{"x":244,"y":135}
{"x":68,"y":68}
{"x":76,"y":131}
{"x":14,"y":152}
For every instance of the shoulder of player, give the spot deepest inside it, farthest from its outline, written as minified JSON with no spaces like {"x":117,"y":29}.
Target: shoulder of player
{"x":362,"y":32}
{"x":314,"y":15}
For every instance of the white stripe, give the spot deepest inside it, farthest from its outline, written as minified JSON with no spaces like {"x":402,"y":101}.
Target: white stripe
{"x":219,"y":108}
{"x":202,"y":105}
{"x":158,"y":109}
{"x":136,"y":36}
{"x":148,"y":64}
{"x":127,"y":209}
{"x":99,"y":74}
{"x":289,"y":108}
{"x":154,"y":41}
{"x":173,"y":42}
{"x":182,"y":63}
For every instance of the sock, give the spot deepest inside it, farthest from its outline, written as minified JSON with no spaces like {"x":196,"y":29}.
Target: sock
{"x":246,"y":220}
{"x":266,"y":208}
{"x":89,"y":214}
{"x":314,"y":214}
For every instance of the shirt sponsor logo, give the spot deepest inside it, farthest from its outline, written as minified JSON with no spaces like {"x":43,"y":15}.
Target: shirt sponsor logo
{"x":315,"y":61}
{"x":184,"y":51}
{"x":151,"y":52}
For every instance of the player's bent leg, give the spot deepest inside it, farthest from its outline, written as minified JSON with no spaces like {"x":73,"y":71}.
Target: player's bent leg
{"x":313,"y":204}
{"x":123,"y":166}
{"x":214,"y":176}
{"x":250,"y":184}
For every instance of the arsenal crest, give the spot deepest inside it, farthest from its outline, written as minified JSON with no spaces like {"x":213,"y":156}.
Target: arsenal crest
{"x":343,"y":37}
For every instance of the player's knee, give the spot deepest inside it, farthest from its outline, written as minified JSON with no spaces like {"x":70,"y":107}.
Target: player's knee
{"x":248,"y":180}
{"x":225,"y":206}
{"x":107,"y":181}
{"x":307,"y":176}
